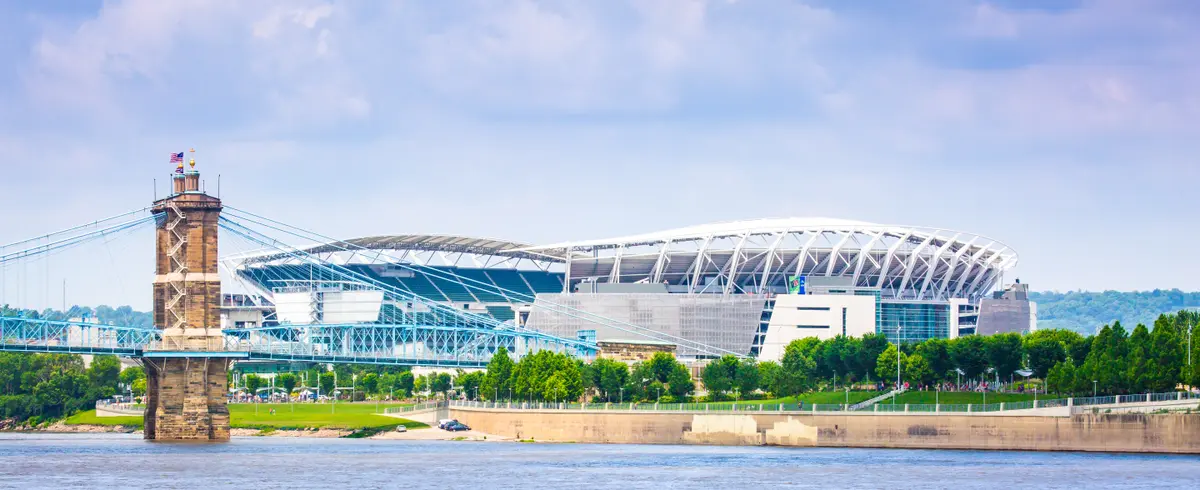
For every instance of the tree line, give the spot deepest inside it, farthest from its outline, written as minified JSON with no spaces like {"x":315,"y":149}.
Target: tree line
{"x":37,"y":388}
{"x":1110,"y":362}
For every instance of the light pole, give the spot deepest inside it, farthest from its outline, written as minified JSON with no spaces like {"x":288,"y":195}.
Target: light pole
{"x":1093,"y":388}
{"x":899,"y":336}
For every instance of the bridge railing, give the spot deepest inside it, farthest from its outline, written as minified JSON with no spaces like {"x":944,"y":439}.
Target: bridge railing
{"x":420,"y":407}
{"x":35,"y":335}
{"x":765,"y":407}
{"x":122,"y":408}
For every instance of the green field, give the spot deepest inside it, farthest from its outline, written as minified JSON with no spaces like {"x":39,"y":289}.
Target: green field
{"x":818,"y":397}
{"x":89,"y":418}
{"x":958,"y":397}
{"x":301,"y":415}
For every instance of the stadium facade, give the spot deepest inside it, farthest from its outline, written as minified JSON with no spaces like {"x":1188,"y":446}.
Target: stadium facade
{"x":745,"y":287}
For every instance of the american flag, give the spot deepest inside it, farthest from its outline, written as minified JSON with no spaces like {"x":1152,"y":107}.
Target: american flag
{"x":177,"y":157}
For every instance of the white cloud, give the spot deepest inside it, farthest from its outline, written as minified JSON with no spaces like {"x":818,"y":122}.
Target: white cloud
{"x":671,"y":113}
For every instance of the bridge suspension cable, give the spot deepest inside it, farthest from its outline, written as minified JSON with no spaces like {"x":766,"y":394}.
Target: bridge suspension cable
{"x":72,"y":241}
{"x":473,"y":283}
{"x":74,"y":228}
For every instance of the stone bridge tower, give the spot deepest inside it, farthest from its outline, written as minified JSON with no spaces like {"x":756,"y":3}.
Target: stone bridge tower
{"x":186,"y":381}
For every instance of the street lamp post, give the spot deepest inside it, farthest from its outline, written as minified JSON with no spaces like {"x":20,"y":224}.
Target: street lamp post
{"x":899,"y":336}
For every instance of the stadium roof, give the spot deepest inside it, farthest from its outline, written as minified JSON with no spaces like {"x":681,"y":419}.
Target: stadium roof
{"x":906,"y":262}
{"x":430,"y":243}
{"x":766,"y":226}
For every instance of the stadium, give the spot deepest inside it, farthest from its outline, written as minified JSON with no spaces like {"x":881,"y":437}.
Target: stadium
{"x":746,"y":287}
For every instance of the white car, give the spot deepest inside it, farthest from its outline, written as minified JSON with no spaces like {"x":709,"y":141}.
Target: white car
{"x":401,"y":428}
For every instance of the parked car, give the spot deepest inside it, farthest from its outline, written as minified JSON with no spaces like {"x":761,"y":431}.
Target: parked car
{"x":401,"y":428}
{"x":457,"y":427}
{"x":442,"y":424}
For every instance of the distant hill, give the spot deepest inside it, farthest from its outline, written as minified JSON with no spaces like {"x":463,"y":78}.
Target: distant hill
{"x":1085,"y":312}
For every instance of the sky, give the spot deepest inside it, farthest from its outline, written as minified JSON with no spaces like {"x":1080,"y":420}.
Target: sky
{"x":1065,"y":129}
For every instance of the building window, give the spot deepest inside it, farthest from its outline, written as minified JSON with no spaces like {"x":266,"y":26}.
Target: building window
{"x":812,"y":308}
{"x":812,"y":326}
{"x":843,"y":322}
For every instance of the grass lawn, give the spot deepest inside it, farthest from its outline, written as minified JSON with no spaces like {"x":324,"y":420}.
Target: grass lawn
{"x":819,"y":397}
{"x":89,"y":418}
{"x":300,"y":415}
{"x":342,"y":416}
{"x":959,"y":397}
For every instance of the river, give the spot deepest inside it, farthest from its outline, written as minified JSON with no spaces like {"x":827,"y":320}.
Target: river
{"x":126,"y":461}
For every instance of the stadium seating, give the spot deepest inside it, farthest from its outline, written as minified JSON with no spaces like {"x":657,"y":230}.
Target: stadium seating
{"x":502,"y":313}
{"x":510,"y":280}
{"x":544,"y":282}
{"x":487,"y":293}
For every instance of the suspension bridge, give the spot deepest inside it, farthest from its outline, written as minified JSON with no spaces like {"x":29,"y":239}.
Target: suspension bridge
{"x":187,"y":354}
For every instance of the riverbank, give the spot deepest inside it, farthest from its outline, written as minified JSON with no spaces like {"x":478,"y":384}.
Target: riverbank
{"x":1094,"y":432}
{"x":418,"y":434}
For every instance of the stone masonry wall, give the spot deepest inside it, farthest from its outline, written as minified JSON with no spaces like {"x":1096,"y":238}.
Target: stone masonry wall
{"x":1152,"y":433}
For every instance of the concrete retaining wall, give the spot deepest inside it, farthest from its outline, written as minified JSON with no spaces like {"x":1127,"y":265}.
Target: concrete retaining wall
{"x":1162,"y":433}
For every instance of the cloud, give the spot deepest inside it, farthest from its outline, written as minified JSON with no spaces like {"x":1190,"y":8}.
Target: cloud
{"x":544,"y":120}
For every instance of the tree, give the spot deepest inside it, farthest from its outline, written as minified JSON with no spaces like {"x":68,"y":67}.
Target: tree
{"x":719,"y":376}
{"x":1139,"y":371}
{"x":470,"y":383}
{"x":917,"y":370}
{"x":555,"y":388}
{"x":138,"y":387}
{"x":768,"y":373}
{"x":936,"y":353}
{"x":873,"y":344}
{"x":745,"y":377}
{"x":661,"y":364}
{"x":288,"y":381}
{"x":253,"y":382}
{"x":680,"y":383}
{"x":326,"y":381}
{"x":1167,"y":360}
{"x":886,"y":366}
{"x":405,"y":382}
{"x":1044,"y":353}
{"x":497,"y":380}
{"x":103,"y":375}
{"x":370,"y":383}
{"x":797,"y":370}
{"x":1061,"y":378}
{"x":609,"y":378}
{"x":388,"y":382}
{"x":130,"y":374}
{"x":439,"y":383}
{"x":969,"y":354}
{"x":1004,"y":353}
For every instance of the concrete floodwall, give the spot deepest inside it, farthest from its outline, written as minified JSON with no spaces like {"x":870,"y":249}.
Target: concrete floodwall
{"x":1153,"y":433}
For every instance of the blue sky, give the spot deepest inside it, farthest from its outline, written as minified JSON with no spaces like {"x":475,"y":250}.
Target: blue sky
{"x":1066,"y":129}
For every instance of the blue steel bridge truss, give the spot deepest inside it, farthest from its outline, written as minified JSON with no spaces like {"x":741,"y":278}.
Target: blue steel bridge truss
{"x":407,"y":345}
{"x":31,"y":335}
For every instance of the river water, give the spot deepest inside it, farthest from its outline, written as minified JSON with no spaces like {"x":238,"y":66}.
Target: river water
{"x":75,"y":461}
